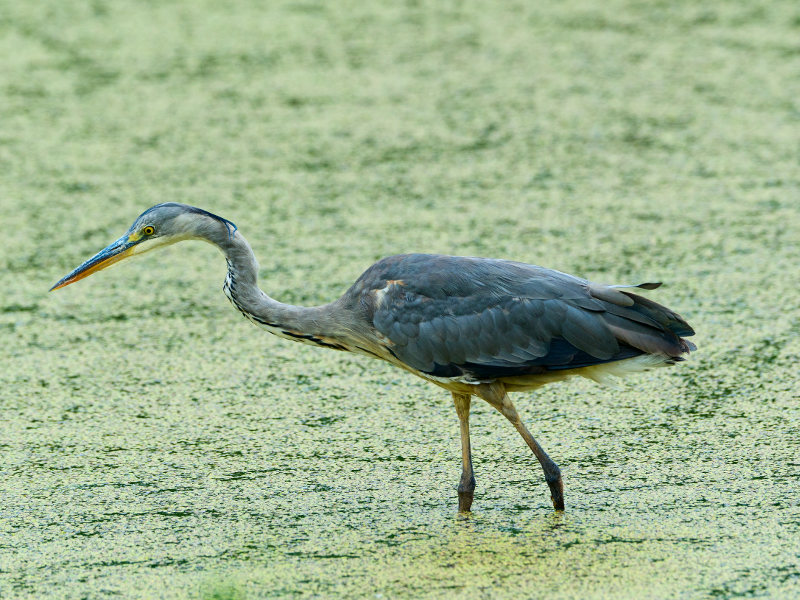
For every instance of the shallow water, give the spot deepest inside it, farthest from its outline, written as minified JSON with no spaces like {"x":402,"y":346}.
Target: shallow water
{"x":155,"y":444}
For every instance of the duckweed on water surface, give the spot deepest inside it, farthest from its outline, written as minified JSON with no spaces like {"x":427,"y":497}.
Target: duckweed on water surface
{"x":156,"y":445}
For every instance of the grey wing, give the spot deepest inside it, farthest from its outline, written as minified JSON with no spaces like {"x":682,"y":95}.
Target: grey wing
{"x":480,"y":319}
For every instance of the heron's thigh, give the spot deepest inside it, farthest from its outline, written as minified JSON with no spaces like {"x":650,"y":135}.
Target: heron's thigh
{"x":495,"y":394}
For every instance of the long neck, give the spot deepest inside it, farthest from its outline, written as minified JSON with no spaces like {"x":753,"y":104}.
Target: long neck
{"x":310,"y":324}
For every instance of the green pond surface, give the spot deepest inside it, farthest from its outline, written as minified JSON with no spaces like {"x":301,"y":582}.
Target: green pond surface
{"x":154,"y":444}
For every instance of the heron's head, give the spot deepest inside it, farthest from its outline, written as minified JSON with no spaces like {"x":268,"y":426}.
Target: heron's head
{"x":158,"y":226}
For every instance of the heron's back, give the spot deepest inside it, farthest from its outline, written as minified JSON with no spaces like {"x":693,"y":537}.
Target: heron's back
{"x":475,"y":319}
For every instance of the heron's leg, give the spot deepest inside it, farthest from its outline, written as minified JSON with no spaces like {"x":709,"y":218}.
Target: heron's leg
{"x":466,"y":486}
{"x":495,"y":395}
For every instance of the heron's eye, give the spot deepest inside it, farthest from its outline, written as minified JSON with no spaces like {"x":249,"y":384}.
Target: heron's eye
{"x":149,"y":230}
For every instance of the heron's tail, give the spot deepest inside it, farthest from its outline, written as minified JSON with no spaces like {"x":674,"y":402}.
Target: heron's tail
{"x":644,"y":324}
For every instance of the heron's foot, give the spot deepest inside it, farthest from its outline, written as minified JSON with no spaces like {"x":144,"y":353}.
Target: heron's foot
{"x":466,"y":489}
{"x":557,"y":492}
{"x":464,"y":501}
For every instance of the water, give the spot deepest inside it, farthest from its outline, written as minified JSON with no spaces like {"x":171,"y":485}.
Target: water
{"x":155,"y":444}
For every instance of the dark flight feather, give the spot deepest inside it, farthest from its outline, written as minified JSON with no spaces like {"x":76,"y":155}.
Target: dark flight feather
{"x":483,"y":319}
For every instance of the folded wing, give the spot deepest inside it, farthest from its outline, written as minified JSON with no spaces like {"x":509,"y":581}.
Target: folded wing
{"x":481,"y":319}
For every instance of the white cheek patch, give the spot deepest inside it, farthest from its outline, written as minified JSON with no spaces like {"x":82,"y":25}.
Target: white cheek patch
{"x":147,"y":245}
{"x":157,"y":242}
{"x":183,"y":223}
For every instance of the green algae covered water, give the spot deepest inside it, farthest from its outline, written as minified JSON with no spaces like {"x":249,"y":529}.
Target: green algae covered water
{"x":154,"y":444}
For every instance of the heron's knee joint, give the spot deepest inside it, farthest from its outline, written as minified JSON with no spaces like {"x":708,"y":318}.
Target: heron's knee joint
{"x":553,"y":475}
{"x":467,"y":485}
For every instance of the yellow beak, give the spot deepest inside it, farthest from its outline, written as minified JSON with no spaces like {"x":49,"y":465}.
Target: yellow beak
{"x":109,"y":255}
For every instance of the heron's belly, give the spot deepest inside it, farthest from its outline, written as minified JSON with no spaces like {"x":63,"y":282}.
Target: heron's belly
{"x":603,"y":374}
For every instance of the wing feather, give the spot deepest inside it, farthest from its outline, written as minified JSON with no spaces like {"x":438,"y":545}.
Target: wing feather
{"x":480,"y":319}
{"x":586,"y":331}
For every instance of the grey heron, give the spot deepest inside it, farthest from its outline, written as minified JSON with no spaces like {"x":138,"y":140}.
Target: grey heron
{"x":473,"y":326}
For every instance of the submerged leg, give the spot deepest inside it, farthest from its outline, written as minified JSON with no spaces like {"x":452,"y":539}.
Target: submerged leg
{"x":495,"y":395}
{"x":466,"y":486}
